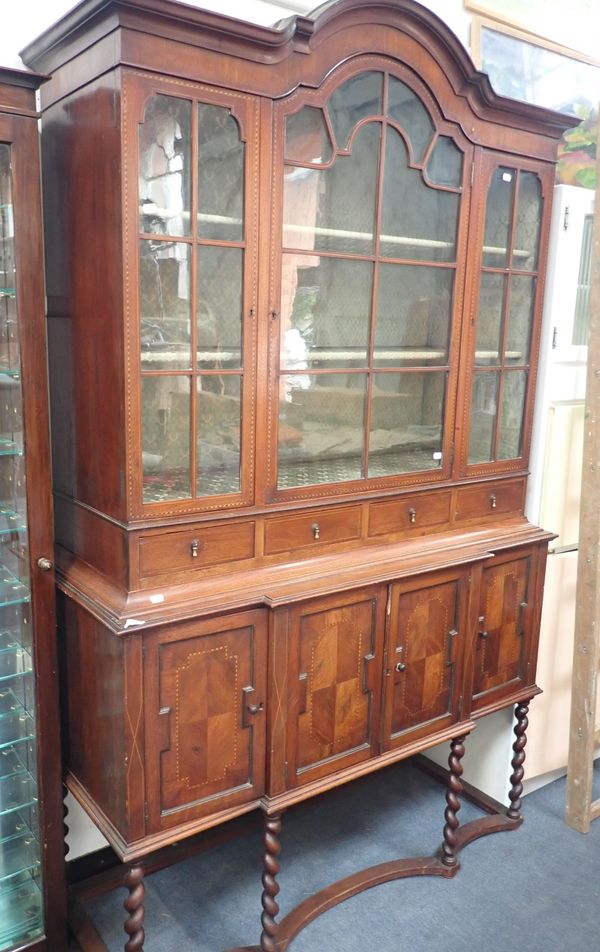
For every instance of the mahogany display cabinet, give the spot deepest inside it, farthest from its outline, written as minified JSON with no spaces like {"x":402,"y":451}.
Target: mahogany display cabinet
{"x":294,"y":281}
{"x":32,"y":884}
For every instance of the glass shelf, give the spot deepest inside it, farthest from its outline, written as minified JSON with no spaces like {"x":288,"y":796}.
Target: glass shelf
{"x":10,"y":447}
{"x":11,"y":521}
{"x":20,"y":912}
{"x":15,"y":660}
{"x":19,"y":857}
{"x":17,"y":792}
{"x":16,"y":724}
{"x":12,"y":761}
{"x":7,"y":292}
{"x":12,"y":590}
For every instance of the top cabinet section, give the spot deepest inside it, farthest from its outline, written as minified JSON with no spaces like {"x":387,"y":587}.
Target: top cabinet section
{"x":316,"y":272}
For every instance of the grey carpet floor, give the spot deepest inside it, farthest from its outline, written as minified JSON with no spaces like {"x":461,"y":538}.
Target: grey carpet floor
{"x":536,"y":889}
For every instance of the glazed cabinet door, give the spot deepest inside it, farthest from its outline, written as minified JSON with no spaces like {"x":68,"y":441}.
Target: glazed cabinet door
{"x":193,"y":219}
{"x":425,"y":647}
{"x":335,"y":655}
{"x":505,"y":640}
{"x":205,"y":720}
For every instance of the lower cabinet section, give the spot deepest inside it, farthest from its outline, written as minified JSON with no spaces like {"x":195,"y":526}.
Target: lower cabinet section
{"x":211,"y":715}
{"x":205,"y":689}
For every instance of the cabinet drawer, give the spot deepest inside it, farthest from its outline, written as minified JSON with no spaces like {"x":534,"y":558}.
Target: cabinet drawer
{"x":409,"y":512}
{"x":473,"y":502}
{"x":320,"y":527}
{"x":195,"y":548}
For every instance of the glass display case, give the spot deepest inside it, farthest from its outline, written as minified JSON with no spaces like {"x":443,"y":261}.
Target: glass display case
{"x":31,"y":910}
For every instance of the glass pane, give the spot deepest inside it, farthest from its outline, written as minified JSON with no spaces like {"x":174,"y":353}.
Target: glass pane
{"x":321,"y":428}
{"x":165,"y":160}
{"x":445,"y":166}
{"x":414,"y":307}
{"x":484,"y":406}
{"x":325,"y":312}
{"x":407,"y":412}
{"x":219,"y":307}
{"x":220,"y":175}
{"x":334,"y":209}
{"x":529,"y":213}
{"x":354,"y":100}
{"x":581,"y":323}
{"x":418,"y":222}
{"x":520,"y":319}
{"x":166,"y":438}
{"x":306,"y":136}
{"x":498,"y":218}
{"x":218,"y":435}
{"x":165,"y":305}
{"x":21,"y":915}
{"x":511,"y":418}
{"x":405,"y":108}
{"x":492,"y":294}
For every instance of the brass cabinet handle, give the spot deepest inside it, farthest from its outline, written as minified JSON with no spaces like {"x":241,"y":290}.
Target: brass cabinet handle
{"x":400,"y":666}
{"x":44,"y":564}
{"x":316,"y":530}
{"x":412,"y":515}
{"x":194,"y":548}
{"x":255,"y":708}
{"x":483,"y":633}
{"x":493,"y":500}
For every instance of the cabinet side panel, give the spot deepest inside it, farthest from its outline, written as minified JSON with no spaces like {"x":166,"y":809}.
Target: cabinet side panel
{"x":81,"y":164}
{"x":94,"y":689}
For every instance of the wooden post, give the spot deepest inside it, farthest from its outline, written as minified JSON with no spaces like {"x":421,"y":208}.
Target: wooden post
{"x":580,"y":810}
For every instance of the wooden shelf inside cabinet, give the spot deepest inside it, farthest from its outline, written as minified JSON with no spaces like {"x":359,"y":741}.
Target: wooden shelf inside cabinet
{"x":312,"y":329}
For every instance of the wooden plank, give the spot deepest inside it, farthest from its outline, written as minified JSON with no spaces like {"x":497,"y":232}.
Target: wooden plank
{"x":586,"y":652}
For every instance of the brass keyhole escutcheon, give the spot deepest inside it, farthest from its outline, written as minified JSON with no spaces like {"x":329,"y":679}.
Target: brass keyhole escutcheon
{"x":194,"y":548}
{"x":493,"y":500}
{"x":412,"y":515}
{"x":316,"y":530}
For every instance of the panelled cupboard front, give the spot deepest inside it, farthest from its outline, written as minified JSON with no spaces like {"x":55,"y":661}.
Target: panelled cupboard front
{"x":294,"y":289}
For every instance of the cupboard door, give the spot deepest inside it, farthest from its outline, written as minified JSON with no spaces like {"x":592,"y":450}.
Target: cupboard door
{"x":504,"y":632}
{"x":425,"y":642}
{"x":335,"y":682}
{"x":205,"y":685}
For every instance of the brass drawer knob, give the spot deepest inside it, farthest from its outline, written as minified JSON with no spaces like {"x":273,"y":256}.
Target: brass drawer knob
{"x":254,"y":708}
{"x":316,"y":530}
{"x":400,"y":666}
{"x":493,"y":500}
{"x":44,"y":564}
{"x":412,"y":515}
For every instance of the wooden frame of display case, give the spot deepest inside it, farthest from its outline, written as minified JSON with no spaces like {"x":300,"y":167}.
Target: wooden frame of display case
{"x":372,"y":600}
{"x":19,"y":129}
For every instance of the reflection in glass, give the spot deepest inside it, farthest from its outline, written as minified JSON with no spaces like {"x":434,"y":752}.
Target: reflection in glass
{"x":520,"y":318}
{"x":445,"y":163}
{"x":484,"y":405}
{"x":407,"y":412}
{"x":334,"y":209}
{"x":414,"y":306}
{"x":218,"y":434}
{"x":166,"y":438}
{"x":511,"y":417}
{"x":498,"y":218}
{"x":219,"y":307}
{"x":492,"y":294}
{"x":418,"y":222}
{"x":529,"y":213}
{"x":321,"y":428}
{"x":306,"y":136}
{"x":325,"y":311}
{"x":356,"y":99}
{"x":220,"y":175}
{"x":165,"y":305}
{"x":164,"y":167}
{"x":405,"y":108}
{"x":21,"y":916}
